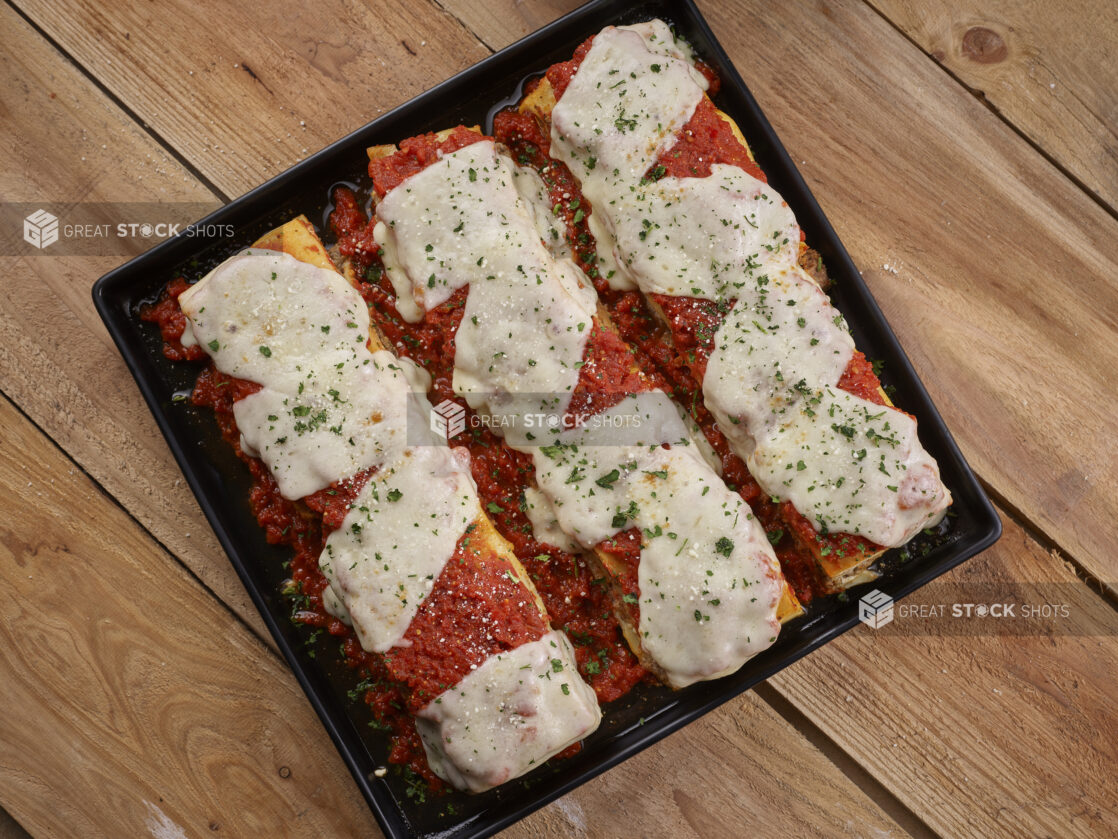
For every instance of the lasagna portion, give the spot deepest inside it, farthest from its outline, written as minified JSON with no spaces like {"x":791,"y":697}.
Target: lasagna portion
{"x":680,"y":213}
{"x":413,"y":564}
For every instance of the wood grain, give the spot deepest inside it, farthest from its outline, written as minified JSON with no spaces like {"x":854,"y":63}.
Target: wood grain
{"x":982,"y":735}
{"x":1048,"y":68}
{"x":244,"y":101}
{"x":131,"y":696}
{"x":739,"y":766}
{"x":66,"y":141}
{"x":498,"y":24}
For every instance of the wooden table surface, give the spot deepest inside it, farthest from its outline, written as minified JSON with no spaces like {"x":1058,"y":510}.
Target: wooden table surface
{"x":971,"y":148}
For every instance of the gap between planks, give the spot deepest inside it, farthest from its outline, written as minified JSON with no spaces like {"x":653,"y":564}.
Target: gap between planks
{"x":156,"y":137}
{"x":1105,"y":590}
{"x":10,"y":828}
{"x":441,"y":6}
{"x":876,"y":791}
{"x":266,"y":638}
{"x":981,"y":97}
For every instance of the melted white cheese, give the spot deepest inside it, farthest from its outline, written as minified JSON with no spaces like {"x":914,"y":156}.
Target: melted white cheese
{"x":328,"y":407}
{"x":609,"y":265}
{"x":533,"y":193}
{"x":781,"y":339}
{"x":334,"y":606}
{"x":698,"y":237}
{"x":622,"y":108}
{"x":403,"y":527}
{"x":510,"y":715}
{"x":853,"y":466}
{"x":732,"y":239}
{"x":659,"y":39}
{"x":709,"y":581}
{"x":522,"y":336}
{"x":710,"y":578}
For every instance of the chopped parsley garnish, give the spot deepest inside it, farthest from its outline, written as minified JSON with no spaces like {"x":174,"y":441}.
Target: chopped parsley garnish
{"x":609,"y":479}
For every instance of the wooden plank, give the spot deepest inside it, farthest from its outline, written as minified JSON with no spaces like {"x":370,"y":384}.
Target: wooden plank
{"x":982,"y":735}
{"x":498,"y":24}
{"x":1048,"y":68}
{"x":740,"y":765}
{"x":130,"y":687}
{"x":134,"y":702}
{"x":66,"y":141}
{"x":244,"y":100}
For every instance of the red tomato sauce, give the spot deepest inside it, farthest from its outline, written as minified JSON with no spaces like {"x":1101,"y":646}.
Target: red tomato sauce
{"x":859,"y":379}
{"x":560,"y":75}
{"x":414,"y":155}
{"x":704,"y":140}
{"x":577,"y":602}
{"x":625,"y":547}
{"x":607,"y":375}
{"x":833,"y":546}
{"x":522,"y":134}
{"x":444,"y":648}
{"x":693,"y":322}
{"x":167,"y":315}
